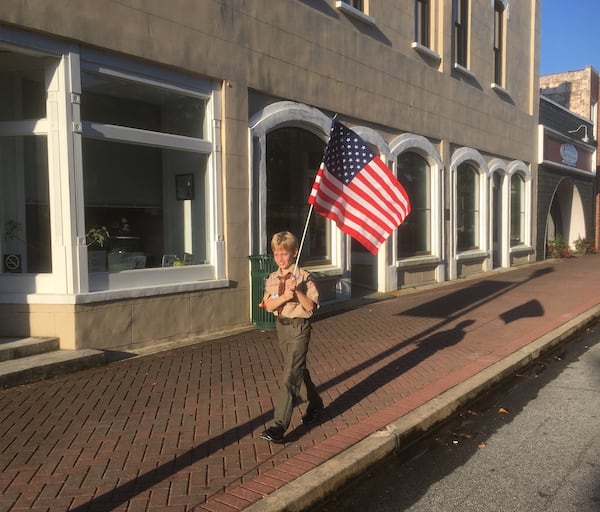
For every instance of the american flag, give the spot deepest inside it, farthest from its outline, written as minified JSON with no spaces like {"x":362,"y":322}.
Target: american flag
{"x":357,"y":191}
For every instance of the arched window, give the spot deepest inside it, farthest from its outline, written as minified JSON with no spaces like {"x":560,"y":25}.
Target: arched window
{"x":414,"y":234}
{"x":293,"y":158}
{"x":467,"y":208}
{"x":517,"y":210}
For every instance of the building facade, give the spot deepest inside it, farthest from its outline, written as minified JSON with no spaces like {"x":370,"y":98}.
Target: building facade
{"x":148,"y":149}
{"x":566,"y":179}
{"x":578,"y":92}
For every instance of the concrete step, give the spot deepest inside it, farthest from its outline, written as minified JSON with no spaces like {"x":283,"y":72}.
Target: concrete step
{"x":42,"y":366}
{"x":14,"y":348}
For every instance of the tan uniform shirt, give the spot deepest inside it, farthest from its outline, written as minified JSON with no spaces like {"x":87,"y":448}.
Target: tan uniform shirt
{"x":304,"y":283}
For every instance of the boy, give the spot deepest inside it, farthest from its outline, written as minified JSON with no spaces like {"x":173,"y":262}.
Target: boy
{"x":291,"y":294}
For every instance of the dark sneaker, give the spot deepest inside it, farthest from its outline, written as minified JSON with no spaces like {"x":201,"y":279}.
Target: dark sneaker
{"x":312,"y":413}
{"x":273,"y":434}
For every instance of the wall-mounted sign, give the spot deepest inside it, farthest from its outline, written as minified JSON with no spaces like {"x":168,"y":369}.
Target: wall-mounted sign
{"x":569,"y":154}
{"x":557,"y":151}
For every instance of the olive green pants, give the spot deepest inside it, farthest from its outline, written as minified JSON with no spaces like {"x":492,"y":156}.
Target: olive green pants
{"x":295,"y":380}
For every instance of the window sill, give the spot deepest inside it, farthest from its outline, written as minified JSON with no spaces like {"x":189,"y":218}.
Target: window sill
{"x":464,"y":71}
{"x":102,"y":296}
{"x":521,"y":249}
{"x":473,"y":254}
{"x":324,"y":271}
{"x":501,"y":90}
{"x":150,"y":291}
{"x":355,"y":13}
{"x":417,"y":261}
{"x":426,"y":52}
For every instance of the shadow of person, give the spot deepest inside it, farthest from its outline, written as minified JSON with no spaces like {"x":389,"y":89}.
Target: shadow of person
{"x":423,"y":349}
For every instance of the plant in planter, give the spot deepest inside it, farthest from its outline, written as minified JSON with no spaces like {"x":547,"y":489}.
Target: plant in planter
{"x":558,"y":248}
{"x":95,"y":238}
{"x":584,"y":246}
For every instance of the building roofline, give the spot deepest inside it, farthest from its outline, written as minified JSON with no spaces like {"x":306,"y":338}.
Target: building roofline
{"x":574,"y":114}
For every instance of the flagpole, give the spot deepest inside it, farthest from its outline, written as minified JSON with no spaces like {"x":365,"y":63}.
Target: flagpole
{"x":310,"y":210}
{"x":303,"y":237}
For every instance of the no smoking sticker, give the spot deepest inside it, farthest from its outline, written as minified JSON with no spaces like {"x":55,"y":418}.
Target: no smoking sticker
{"x":12,"y":263}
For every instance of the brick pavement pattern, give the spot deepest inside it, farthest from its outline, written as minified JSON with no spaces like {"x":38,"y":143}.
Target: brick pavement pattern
{"x":179,"y":430}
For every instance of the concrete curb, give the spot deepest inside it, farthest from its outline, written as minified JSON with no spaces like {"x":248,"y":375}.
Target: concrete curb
{"x":309,"y":489}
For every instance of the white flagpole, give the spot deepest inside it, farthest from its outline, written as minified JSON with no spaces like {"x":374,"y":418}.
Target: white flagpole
{"x":307,"y":220}
{"x":303,"y":237}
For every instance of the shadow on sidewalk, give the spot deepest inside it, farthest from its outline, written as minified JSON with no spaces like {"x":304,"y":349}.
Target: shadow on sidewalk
{"x":427,"y":343}
{"x":458,"y":304}
{"x":425,"y":348}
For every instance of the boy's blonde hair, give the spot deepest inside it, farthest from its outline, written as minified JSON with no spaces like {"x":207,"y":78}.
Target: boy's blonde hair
{"x":284,"y":240}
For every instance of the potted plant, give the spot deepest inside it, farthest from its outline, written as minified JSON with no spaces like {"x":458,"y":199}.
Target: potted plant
{"x":558,"y":248}
{"x":584,"y":246}
{"x":95,"y":238}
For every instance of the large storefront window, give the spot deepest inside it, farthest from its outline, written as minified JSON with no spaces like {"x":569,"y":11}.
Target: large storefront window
{"x":467,"y":208}
{"x":25,"y":239}
{"x":145,"y":174}
{"x":414,"y":234}
{"x":517,"y":210}
{"x":293,"y":158}
{"x":133,"y":191}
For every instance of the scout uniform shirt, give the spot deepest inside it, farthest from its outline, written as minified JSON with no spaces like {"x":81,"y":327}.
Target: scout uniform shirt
{"x":292,"y":308}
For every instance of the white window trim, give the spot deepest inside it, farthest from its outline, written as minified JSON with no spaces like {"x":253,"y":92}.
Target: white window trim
{"x":354,"y":12}
{"x":69,"y":280}
{"x":522,"y":169}
{"x":267,"y":119}
{"x":21,"y":287}
{"x":280,"y":114}
{"x":156,"y":281}
{"x":422,"y":146}
{"x":473,"y":157}
{"x":498,"y":166}
{"x":501,"y":90}
{"x":426,"y":51}
{"x":464,"y":71}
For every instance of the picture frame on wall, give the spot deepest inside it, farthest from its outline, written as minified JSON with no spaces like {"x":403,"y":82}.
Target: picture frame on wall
{"x":184,"y":186}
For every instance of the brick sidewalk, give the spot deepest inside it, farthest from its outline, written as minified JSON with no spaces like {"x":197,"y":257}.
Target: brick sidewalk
{"x":178,"y":430}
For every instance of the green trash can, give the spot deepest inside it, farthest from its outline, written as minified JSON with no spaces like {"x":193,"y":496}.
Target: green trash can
{"x":261,"y":266}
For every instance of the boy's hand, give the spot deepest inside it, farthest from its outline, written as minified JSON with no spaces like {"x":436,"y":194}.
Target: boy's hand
{"x":290,"y":288}
{"x":290,"y":284}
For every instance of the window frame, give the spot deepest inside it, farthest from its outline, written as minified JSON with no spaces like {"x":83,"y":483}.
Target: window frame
{"x":211,"y":273}
{"x":359,"y":5}
{"x":360,"y":13}
{"x":429,"y":208}
{"x":20,"y":286}
{"x":499,"y":43}
{"x":460,"y":33}
{"x":476,"y":212}
{"x":423,"y":23}
{"x":522,"y":211}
